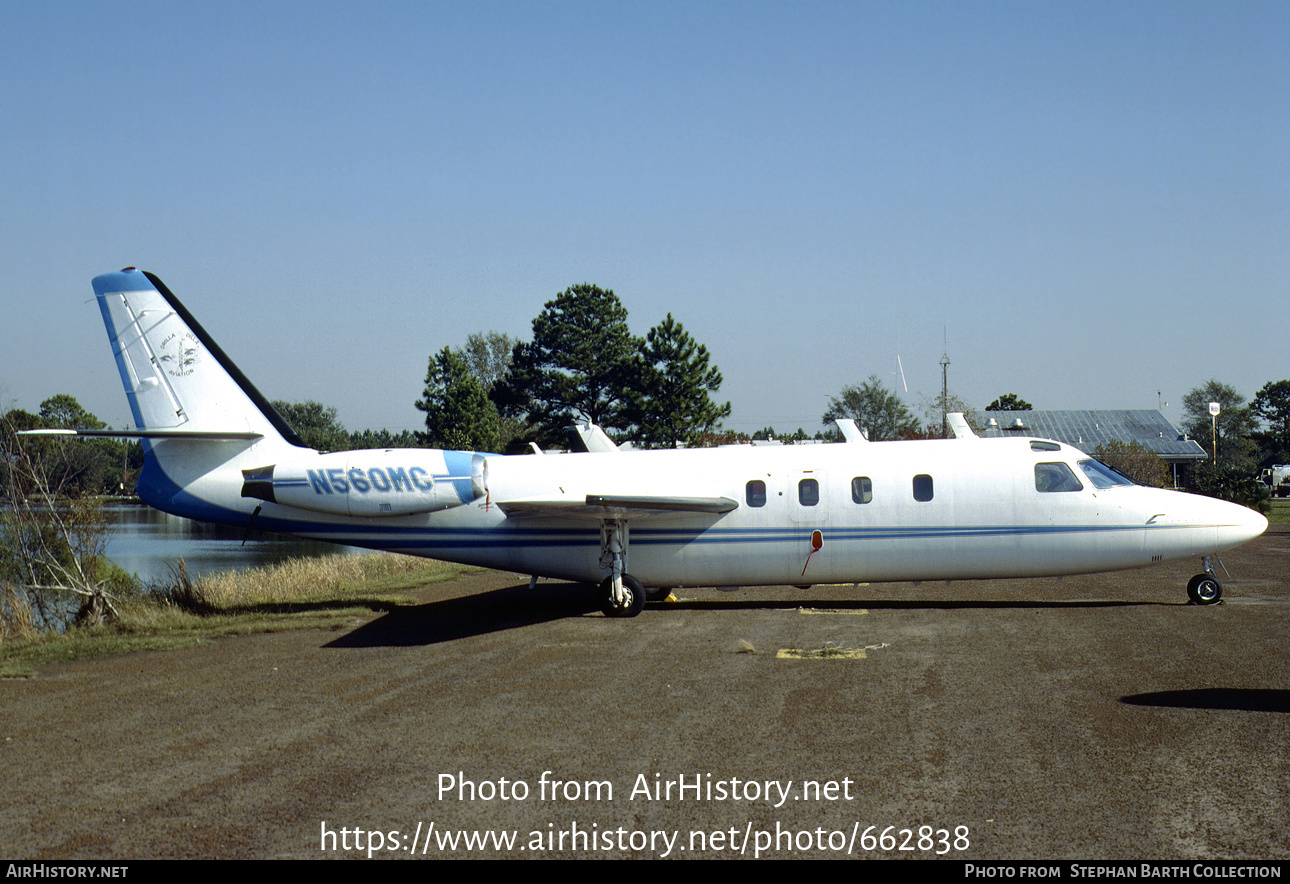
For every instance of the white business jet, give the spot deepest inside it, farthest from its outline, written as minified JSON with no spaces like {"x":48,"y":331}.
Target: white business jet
{"x":639,"y":523}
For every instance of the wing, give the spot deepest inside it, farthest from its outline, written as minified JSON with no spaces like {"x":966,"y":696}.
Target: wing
{"x":615,"y":506}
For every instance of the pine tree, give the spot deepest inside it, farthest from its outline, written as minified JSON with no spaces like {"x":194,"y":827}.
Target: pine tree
{"x":579,"y":365}
{"x":1272,"y":404}
{"x":671,"y":402}
{"x":459,"y":414}
{"x":316,"y":424}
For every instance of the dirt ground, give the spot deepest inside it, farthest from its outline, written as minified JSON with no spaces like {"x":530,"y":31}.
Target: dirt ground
{"x":1087,"y":717}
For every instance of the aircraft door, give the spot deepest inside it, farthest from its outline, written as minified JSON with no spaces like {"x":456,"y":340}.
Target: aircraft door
{"x":807,"y":496}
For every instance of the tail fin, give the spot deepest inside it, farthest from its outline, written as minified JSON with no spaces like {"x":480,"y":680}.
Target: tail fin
{"x":178,"y":380}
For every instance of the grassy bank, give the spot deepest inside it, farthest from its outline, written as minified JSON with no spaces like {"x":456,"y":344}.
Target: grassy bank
{"x":316,"y":593}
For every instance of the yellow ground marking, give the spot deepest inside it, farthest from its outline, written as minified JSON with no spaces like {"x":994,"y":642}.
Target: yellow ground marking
{"x":830,"y":651}
{"x":831,"y":611}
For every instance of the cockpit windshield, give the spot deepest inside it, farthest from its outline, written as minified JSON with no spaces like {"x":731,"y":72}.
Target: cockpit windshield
{"x":1101,"y":475}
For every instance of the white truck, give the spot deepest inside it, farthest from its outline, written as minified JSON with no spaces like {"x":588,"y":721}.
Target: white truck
{"x":1277,"y":477}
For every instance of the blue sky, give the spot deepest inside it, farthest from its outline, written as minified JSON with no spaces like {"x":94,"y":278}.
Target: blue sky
{"x":1088,"y":200}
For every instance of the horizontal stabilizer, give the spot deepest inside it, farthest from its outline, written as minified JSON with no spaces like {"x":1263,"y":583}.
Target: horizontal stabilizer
{"x":149,"y":434}
{"x":600,"y":506}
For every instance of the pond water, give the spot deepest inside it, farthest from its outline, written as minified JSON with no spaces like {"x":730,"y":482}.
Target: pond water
{"x":149,"y":543}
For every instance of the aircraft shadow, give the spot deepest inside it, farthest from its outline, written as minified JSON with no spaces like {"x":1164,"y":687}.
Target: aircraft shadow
{"x":890,"y":604}
{"x":1239,"y":699}
{"x":511,"y":607}
{"x":514,"y":607}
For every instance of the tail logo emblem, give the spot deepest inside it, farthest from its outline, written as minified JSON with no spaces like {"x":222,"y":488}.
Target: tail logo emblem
{"x":179,"y":353}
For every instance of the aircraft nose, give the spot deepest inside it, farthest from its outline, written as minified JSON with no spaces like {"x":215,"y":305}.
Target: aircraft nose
{"x":1240,"y":524}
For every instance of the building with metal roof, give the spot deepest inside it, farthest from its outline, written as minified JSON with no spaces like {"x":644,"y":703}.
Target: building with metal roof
{"x":1087,"y":430}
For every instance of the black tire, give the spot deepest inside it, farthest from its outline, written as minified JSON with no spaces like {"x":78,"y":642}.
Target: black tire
{"x":635,"y":597}
{"x":1204,"y":589}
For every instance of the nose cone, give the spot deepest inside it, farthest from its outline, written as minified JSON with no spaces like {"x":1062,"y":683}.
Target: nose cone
{"x":1238,"y":524}
{"x":1198,"y":525}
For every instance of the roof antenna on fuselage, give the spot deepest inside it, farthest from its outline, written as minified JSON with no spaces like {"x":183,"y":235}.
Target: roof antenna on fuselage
{"x":899,"y":364}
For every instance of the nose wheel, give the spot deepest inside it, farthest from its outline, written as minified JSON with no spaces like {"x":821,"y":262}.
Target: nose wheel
{"x":1204,"y":589}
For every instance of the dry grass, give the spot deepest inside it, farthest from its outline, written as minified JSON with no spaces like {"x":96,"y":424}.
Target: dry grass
{"x":16,"y":620}
{"x":314,"y":579}
{"x":318,"y":593}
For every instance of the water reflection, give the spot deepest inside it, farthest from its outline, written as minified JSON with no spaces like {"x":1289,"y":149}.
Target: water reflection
{"x":148,"y":543}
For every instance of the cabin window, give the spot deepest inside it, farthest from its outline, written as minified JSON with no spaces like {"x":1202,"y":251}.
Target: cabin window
{"x":808,"y":492}
{"x":1050,"y":477}
{"x":861,"y":489}
{"x":923,"y":487}
{"x":755,"y":492}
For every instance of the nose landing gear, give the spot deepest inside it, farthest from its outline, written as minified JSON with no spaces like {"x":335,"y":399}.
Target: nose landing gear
{"x":1204,"y":589}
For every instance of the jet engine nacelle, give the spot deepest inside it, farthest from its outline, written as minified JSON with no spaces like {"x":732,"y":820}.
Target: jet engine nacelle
{"x":380,"y":482}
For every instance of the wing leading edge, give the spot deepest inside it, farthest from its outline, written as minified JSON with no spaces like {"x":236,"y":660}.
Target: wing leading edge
{"x":615,"y":506}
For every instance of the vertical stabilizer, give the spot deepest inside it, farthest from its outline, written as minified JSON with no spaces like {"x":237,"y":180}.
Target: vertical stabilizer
{"x":176,"y":377}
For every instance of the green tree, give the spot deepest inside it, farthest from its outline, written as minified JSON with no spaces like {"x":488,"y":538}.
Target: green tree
{"x":383,"y":439}
{"x":64,"y":412}
{"x":1009,"y":402}
{"x":579,"y":365}
{"x":1235,"y":424}
{"x":459,"y":414}
{"x":91,"y":466}
{"x":1238,"y":484}
{"x":53,"y":532}
{"x":316,"y":424}
{"x":875,"y":409}
{"x":1135,"y":461}
{"x":718,"y":438}
{"x":671,"y":401}
{"x":768,"y":434}
{"x":935,"y":410}
{"x":488,"y":355}
{"x":1272,"y":405}
{"x":13,"y":446}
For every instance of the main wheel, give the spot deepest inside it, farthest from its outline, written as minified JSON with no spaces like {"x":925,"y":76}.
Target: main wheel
{"x":1204,"y":589}
{"x":635,"y":601}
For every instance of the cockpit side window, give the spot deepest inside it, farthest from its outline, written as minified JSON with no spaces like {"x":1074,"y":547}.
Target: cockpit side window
{"x":1101,"y":475}
{"x":1051,"y":477}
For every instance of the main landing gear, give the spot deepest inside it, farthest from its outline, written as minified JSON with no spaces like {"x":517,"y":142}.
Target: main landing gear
{"x":621,"y":594}
{"x":1204,"y":589}
{"x":628,"y":603}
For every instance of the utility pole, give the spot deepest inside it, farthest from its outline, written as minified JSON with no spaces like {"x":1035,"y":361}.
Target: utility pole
{"x":945,"y":389}
{"x":1214,"y":408}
